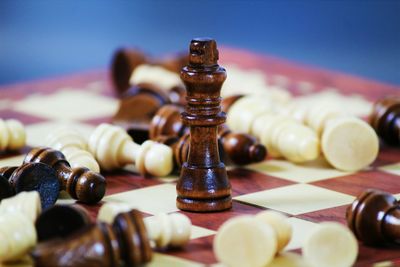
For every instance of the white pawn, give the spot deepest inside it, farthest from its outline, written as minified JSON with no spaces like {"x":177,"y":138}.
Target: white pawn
{"x":282,"y":135}
{"x":331,"y":244}
{"x":347,"y":142}
{"x":74,"y":147}
{"x":12,"y":135}
{"x":161,"y":77}
{"x":252,"y":241}
{"x":164,"y":230}
{"x":114,"y":148}
{"x":25,"y":202}
{"x":17,"y":235}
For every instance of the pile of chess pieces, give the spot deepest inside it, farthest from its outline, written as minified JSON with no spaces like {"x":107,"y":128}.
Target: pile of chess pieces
{"x":170,"y":122}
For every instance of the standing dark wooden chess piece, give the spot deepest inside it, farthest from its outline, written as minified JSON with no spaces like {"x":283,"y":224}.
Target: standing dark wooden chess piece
{"x":374,"y":217}
{"x":203,"y":185}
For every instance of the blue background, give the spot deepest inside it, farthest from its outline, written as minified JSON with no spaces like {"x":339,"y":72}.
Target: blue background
{"x":39,"y":39}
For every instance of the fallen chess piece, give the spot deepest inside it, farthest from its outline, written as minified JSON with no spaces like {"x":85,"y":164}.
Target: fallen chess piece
{"x":60,"y":221}
{"x":80,"y":183}
{"x":25,"y":202}
{"x":237,"y":148}
{"x":12,"y":135}
{"x":100,"y":244}
{"x":252,"y":241}
{"x":281,"y":135}
{"x":374,"y":218}
{"x":74,"y":147}
{"x":34,"y":177}
{"x":18,"y":235}
{"x":164,"y":230}
{"x":385,"y":119}
{"x":331,"y":244}
{"x":114,"y":148}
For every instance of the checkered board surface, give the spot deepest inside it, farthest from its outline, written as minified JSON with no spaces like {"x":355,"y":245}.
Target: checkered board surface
{"x":309,"y":193}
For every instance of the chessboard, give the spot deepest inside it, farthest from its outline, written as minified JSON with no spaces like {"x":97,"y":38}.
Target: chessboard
{"x":308,"y":193}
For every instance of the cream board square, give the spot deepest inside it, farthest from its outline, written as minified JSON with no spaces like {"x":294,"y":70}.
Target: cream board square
{"x":392,"y":168}
{"x":171,"y":261}
{"x":37,"y":133}
{"x":68,"y":105}
{"x":301,"y":173}
{"x":12,"y":161}
{"x":397,"y":196}
{"x":301,"y":230}
{"x":297,"y":199}
{"x":152,"y":199}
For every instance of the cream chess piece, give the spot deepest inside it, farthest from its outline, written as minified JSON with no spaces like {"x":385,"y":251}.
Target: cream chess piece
{"x":12,"y":135}
{"x":74,"y":147}
{"x":159,"y":76}
{"x":114,"y":148}
{"x":25,"y":202}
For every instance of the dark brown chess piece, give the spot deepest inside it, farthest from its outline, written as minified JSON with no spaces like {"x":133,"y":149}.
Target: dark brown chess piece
{"x":5,"y":188}
{"x":81,"y":183}
{"x":125,"y":60}
{"x":99,"y":245}
{"x":374,"y":217}
{"x":61,"y":221}
{"x":385,"y":119}
{"x":203,"y":184}
{"x":238,"y":148}
{"x":34,"y":177}
{"x":227,"y":102}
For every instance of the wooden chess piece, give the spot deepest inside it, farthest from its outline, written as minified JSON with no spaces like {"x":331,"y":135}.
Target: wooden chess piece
{"x":25,"y":202}
{"x":179,"y":146}
{"x":12,"y":135}
{"x":61,"y":221}
{"x":203,"y":185}
{"x":374,"y":217}
{"x":99,"y":245}
{"x":5,"y":188}
{"x":81,"y":183}
{"x":34,"y":177}
{"x":385,"y":119}
{"x":238,"y":148}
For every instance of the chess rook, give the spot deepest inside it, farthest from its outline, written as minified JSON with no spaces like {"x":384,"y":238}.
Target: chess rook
{"x":34,"y":177}
{"x":100,"y":245}
{"x":374,"y":217}
{"x":385,"y":119}
{"x":114,"y":148}
{"x":203,"y":184}
{"x":60,"y":221}
{"x":80,"y":183}
{"x":12,"y":135}
{"x":74,"y":147}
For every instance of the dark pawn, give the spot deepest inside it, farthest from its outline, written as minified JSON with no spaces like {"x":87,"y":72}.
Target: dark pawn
{"x":238,"y":148}
{"x":81,"y":183}
{"x":374,"y":217}
{"x":99,"y":245}
{"x":61,"y":221}
{"x":5,"y":188}
{"x":385,"y":119}
{"x":34,"y":177}
{"x":203,"y":185}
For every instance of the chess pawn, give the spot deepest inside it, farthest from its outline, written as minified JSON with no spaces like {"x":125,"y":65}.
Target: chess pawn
{"x":27,"y":203}
{"x":385,"y":119}
{"x":330,"y":244}
{"x":252,"y":241}
{"x":60,"y":221}
{"x":73,"y":145}
{"x":179,"y":146}
{"x":18,"y":235}
{"x":80,"y":183}
{"x":12,"y":135}
{"x":6,"y":189}
{"x":164,"y":230}
{"x":99,"y":245}
{"x":113,"y":148}
{"x":34,"y":177}
{"x":374,"y":217}
{"x":347,"y":142}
